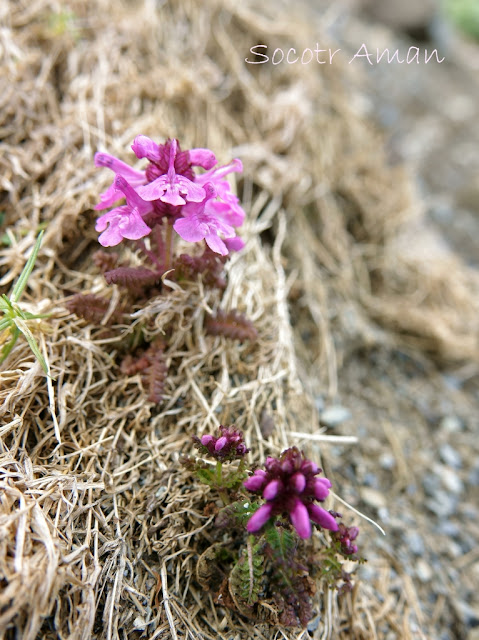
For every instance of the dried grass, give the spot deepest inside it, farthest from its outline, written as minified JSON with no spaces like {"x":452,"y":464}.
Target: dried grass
{"x":100,"y":528}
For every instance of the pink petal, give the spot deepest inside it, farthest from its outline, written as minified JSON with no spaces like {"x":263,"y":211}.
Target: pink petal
{"x":234,"y":244}
{"x":322,"y":517}
{"x":300,"y":519}
{"x":206,"y":439}
{"x":202,"y":158}
{"x":144,"y":147}
{"x":192,"y":191}
{"x":108,"y":197}
{"x":216,"y":244}
{"x":132,"y":197}
{"x":272,"y":489}
{"x":123,"y":222}
{"x":106,"y":160}
{"x":259,"y":518}
{"x":190,"y":229}
{"x":111,"y":237}
{"x":230,"y":212}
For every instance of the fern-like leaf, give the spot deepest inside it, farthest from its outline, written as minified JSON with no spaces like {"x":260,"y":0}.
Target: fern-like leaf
{"x":130,"y":365}
{"x":154,"y":375}
{"x":209,"y":264}
{"x":246,"y":577}
{"x":231,"y":324}
{"x":105,"y":261}
{"x":92,"y":308}
{"x":132,"y":277}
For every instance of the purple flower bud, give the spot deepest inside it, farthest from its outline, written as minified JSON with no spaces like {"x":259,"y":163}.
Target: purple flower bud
{"x":271,"y":464}
{"x":322,"y":517}
{"x":256,"y":482}
{"x":321,"y":488}
{"x":300,"y":518}
{"x":298,"y":482}
{"x":353,"y":533}
{"x":272,"y":489}
{"x":259,"y":518}
{"x":309,"y":467}
{"x":220,"y":443}
{"x":206,"y":439}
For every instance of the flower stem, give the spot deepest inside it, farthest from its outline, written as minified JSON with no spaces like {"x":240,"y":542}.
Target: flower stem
{"x":219,"y":483}
{"x":169,"y":245}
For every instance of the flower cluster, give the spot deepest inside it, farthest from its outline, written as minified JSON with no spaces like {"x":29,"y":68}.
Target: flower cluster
{"x":346,"y":536}
{"x":229,"y":445}
{"x":290,"y":486}
{"x":197,"y":206}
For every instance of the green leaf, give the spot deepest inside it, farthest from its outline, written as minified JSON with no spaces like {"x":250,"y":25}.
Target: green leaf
{"x":21,"y":325}
{"x":207,"y":476}
{"x":9,"y":346}
{"x":22,"y":280}
{"x":281,"y":541}
{"x":246,"y":578}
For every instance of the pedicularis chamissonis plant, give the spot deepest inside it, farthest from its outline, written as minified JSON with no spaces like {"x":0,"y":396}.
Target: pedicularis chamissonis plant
{"x":168,"y":192}
{"x":270,"y":562}
{"x":178,"y":195}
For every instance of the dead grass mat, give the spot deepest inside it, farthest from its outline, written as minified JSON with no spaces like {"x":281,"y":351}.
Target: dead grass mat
{"x":100,"y":529}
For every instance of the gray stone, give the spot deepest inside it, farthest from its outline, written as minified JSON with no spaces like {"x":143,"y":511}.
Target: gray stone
{"x":423,"y":570}
{"x":452,"y":481}
{"x":334,"y":416}
{"x":451,"y":424}
{"x":387,"y":461}
{"x":450,"y":456}
{"x":415,"y":543}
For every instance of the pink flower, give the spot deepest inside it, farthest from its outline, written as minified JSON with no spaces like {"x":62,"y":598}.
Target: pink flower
{"x":125,"y":221}
{"x":289,"y":486}
{"x":172,"y":188}
{"x":201,"y":221}
{"x":160,"y":155}
{"x":229,"y":209}
{"x":135,"y":178}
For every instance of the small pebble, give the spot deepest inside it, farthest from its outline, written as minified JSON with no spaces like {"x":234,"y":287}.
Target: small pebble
{"x":451,"y":481}
{"x":373,"y":498}
{"x":314,"y":623}
{"x":451,"y":424}
{"x":423,"y":570}
{"x":139,"y":623}
{"x":450,"y":456}
{"x":415,"y":543}
{"x":334,"y":416}
{"x":387,"y":461}
{"x":443,"y":505}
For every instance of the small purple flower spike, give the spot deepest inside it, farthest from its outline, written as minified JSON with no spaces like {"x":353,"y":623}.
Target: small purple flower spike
{"x":229,"y":445}
{"x":289,"y":486}
{"x":346,"y":536}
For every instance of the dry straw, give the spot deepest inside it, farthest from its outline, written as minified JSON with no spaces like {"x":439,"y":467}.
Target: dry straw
{"x":100,"y":529}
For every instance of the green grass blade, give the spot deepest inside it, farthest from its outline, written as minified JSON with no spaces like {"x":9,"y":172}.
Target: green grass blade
{"x":9,"y":346}
{"x":22,"y":280}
